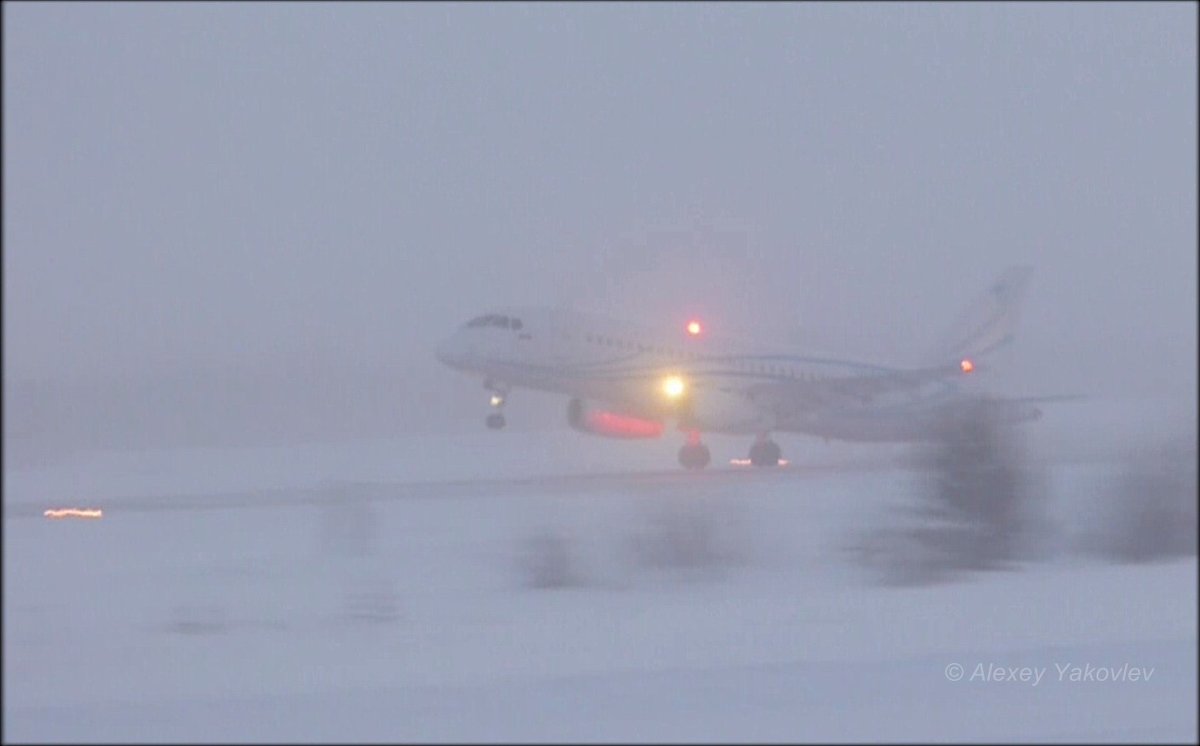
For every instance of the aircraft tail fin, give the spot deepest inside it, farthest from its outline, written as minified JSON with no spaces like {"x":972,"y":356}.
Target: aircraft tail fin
{"x":988,"y":324}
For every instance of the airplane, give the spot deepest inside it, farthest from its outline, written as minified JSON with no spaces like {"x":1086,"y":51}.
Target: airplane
{"x":630,"y":381}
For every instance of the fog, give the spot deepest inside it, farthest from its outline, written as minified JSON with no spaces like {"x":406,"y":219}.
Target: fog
{"x":231,"y":223}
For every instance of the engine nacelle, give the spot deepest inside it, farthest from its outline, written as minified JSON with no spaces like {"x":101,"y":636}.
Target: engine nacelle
{"x":714,"y":410}
{"x":590,"y":419}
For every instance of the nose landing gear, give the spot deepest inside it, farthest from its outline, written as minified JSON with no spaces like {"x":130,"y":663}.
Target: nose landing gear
{"x":495,"y":420}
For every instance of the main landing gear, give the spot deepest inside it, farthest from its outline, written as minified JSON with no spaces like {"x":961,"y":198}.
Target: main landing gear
{"x":694,"y":454}
{"x":495,"y":420}
{"x":765,"y":452}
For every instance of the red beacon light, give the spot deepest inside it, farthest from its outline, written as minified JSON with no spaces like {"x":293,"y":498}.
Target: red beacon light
{"x":694,"y":328}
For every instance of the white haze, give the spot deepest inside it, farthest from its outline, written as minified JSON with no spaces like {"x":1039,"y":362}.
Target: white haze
{"x":234,"y":234}
{"x":251,"y":223}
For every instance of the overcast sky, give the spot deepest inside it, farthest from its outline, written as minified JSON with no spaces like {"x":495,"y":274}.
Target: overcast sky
{"x":255,"y":189}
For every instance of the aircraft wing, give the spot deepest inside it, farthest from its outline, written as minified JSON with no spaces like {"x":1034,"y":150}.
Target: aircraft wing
{"x":835,"y":393}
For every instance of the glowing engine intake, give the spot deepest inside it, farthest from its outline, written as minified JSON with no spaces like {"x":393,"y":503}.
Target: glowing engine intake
{"x":588,"y":419}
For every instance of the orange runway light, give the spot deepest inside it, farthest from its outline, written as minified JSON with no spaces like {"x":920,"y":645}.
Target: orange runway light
{"x":966,"y":365}
{"x":74,"y":513}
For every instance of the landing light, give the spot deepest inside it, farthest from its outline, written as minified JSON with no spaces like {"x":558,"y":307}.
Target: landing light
{"x":966,"y":365}
{"x":673,"y":387}
{"x":497,"y":400}
{"x":694,"y":328}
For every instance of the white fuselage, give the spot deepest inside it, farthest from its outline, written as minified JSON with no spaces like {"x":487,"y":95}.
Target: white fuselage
{"x":731,"y":389}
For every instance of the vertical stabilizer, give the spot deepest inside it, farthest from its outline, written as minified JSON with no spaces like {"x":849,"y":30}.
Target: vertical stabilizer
{"x":989,"y":323}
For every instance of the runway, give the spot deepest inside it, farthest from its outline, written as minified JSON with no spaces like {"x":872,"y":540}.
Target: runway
{"x":321,"y":592}
{"x":565,"y":485}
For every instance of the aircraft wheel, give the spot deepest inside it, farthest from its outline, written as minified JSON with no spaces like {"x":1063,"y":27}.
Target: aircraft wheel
{"x":495,"y":421}
{"x":765,"y":453}
{"x":694,"y":456}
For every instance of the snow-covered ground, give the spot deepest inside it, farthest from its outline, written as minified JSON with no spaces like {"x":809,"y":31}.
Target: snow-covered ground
{"x":622,"y":601}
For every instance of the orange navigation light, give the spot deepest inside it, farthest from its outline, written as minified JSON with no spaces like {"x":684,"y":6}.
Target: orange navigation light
{"x":74,"y":513}
{"x":694,"y":328}
{"x":966,"y":365}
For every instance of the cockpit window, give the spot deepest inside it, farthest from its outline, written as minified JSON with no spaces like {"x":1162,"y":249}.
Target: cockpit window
{"x":480,"y":321}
